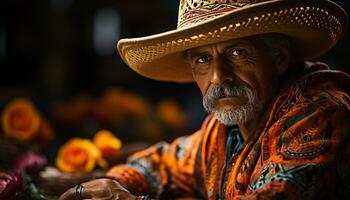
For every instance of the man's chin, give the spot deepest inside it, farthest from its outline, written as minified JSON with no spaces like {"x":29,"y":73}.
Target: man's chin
{"x":228,"y":108}
{"x":236,"y":116}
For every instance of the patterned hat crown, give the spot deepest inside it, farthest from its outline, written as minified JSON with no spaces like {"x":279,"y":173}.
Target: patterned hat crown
{"x":194,"y":11}
{"x":312,"y":26}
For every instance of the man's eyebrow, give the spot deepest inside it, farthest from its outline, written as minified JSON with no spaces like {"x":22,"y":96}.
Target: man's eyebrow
{"x":238,"y":43}
{"x":194,"y":53}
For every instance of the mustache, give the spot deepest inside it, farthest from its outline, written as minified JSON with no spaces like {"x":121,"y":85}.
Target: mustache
{"x":227,"y":89}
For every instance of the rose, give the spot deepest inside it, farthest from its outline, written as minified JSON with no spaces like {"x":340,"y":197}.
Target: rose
{"x":20,"y":120}
{"x":29,"y":162}
{"x":45,"y":133}
{"x":10,"y":186}
{"x":117,"y":104}
{"x":79,"y":155}
{"x":108,"y":144}
{"x":170,"y":113}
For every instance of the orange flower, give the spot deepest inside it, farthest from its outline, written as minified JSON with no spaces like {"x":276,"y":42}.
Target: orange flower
{"x":108,"y":144}
{"x":151,"y":131}
{"x":170,"y":113}
{"x":79,"y":155}
{"x":117,"y":104}
{"x":20,"y":120}
{"x":45,"y":132}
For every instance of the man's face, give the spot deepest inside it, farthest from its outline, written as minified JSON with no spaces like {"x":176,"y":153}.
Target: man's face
{"x":238,"y":78}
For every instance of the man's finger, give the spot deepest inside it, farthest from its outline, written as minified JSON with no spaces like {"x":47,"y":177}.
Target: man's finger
{"x":68,"y":195}
{"x":71,"y":194}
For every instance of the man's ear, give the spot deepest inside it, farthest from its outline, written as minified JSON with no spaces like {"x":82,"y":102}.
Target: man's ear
{"x":282,"y":60}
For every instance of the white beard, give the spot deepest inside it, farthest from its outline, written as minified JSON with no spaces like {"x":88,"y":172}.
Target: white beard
{"x":237,"y":115}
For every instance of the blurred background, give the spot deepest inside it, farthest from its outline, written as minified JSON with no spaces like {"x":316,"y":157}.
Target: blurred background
{"x":61,"y":77}
{"x":62,"y":55}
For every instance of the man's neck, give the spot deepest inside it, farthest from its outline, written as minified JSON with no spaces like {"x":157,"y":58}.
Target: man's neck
{"x":248,"y":128}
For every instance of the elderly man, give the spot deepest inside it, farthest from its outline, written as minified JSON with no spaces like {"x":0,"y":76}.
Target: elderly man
{"x":278,"y":126}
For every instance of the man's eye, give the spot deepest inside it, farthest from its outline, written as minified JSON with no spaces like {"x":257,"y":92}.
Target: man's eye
{"x":202,"y":59}
{"x":236,"y":52}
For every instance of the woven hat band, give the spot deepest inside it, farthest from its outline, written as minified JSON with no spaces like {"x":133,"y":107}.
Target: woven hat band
{"x":192,"y":12}
{"x":312,"y":26}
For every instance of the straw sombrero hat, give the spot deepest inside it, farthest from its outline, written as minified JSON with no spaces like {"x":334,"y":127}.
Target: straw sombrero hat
{"x":313,"y":27}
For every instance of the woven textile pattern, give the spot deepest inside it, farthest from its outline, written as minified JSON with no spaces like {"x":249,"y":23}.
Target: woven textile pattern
{"x":194,"y":11}
{"x":300,"y":150}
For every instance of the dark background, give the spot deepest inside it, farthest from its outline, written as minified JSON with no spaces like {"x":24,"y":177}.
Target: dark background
{"x":56,"y":49}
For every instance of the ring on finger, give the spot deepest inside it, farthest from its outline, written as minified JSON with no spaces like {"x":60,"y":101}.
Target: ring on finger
{"x":78,"y":192}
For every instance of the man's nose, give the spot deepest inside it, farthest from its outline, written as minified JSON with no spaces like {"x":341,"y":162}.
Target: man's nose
{"x":221,"y":71}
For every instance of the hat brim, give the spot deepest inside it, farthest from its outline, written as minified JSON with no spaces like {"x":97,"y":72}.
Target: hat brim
{"x":313,"y":27}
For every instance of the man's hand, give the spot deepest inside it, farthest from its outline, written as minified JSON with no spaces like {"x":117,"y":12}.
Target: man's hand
{"x":98,"y":189}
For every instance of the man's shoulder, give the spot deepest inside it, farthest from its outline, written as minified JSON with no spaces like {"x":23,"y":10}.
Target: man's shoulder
{"x":318,"y":83}
{"x":310,"y":119}
{"x":328,"y":86}
{"x":319,"y":90}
